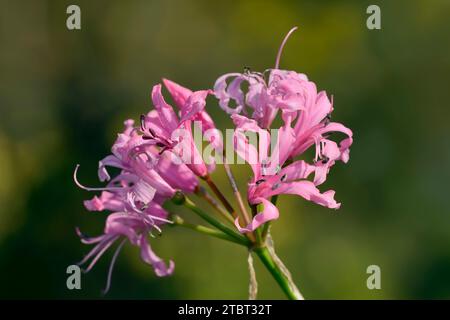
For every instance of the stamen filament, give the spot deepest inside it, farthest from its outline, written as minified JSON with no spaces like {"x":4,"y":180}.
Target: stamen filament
{"x":89,"y":188}
{"x":100,"y":253}
{"x":111,"y":266}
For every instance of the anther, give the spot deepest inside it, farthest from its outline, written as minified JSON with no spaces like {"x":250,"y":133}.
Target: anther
{"x":260,"y":181}
{"x":142,"y":122}
{"x":275,"y":186}
{"x":326,"y":120}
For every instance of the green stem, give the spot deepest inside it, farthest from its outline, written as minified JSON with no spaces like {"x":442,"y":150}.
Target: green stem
{"x":226,"y":203}
{"x":220,"y":195}
{"x":237,"y":194}
{"x":201,"y":192}
{"x":178,"y":221}
{"x":266,"y":258}
{"x":182,"y":199}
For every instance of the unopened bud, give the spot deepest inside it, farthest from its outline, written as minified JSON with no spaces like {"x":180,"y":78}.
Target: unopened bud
{"x":178,"y":198}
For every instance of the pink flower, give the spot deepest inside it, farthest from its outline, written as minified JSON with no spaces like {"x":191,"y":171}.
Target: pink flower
{"x":134,"y":226}
{"x":146,"y":179}
{"x":306,"y":116}
{"x":144,"y":171}
{"x":166,"y":130}
{"x":287,"y":91}
{"x":265,"y":98}
{"x":269,"y":176}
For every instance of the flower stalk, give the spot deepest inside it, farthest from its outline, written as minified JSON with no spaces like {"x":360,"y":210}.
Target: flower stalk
{"x":220,"y":195}
{"x":178,"y":221}
{"x":280,"y":277}
{"x":202,"y":193}
{"x":236,"y":193}
{"x":267,"y":256}
{"x":181,"y":199}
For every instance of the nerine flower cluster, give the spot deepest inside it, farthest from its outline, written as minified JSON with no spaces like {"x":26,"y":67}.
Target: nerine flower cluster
{"x":153,"y":168}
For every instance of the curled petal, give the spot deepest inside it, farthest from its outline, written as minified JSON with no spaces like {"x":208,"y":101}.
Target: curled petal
{"x":149,"y":257}
{"x":233,"y":92}
{"x":309,"y":191}
{"x":289,"y":91}
{"x":269,"y":212}
{"x":330,"y":152}
{"x":335,"y":127}
{"x":345,"y":149}
{"x":330,"y":149}
{"x":111,"y":161}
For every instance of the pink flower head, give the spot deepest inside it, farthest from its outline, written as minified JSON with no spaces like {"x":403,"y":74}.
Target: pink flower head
{"x":134,"y":226}
{"x":306,"y":115}
{"x":165,"y":129}
{"x":135,"y":195}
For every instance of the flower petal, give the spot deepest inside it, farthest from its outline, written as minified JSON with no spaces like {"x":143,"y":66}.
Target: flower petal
{"x":149,"y":257}
{"x":297,"y":170}
{"x":179,"y":93}
{"x":106,"y":201}
{"x":244,"y":148}
{"x":167,"y":116}
{"x":194,"y":105}
{"x":111,"y":161}
{"x":309,"y":191}
{"x":233,"y":92}
{"x":179,"y":176}
{"x":143,"y":191}
{"x":270,"y":212}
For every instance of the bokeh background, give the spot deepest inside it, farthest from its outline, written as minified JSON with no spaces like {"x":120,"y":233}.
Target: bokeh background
{"x":64,"y":95}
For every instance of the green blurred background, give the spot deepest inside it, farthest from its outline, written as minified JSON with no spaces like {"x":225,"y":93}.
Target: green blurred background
{"x":64,"y":95}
